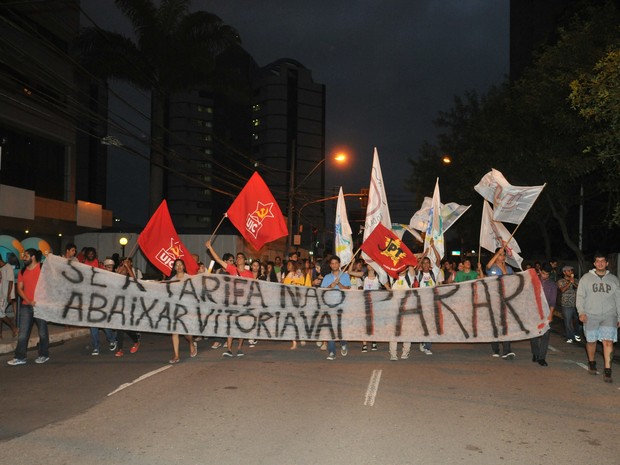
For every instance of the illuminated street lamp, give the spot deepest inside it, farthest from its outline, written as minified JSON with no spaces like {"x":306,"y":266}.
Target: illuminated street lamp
{"x":446,"y":160}
{"x":339,"y":158}
{"x":123,"y":242}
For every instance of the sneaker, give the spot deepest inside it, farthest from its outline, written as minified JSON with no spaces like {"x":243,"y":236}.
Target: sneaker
{"x":364,"y":348}
{"x":240,"y":353}
{"x":393,"y":357}
{"x":509,"y":356}
{"x":119,"y":353}
{"x":577,"y":338}
{"x":569,"y":341}
{"x":343,"y":350}
{"x":16,"y":361}
{"x":252,"y":342}
{"x":404,"y":355}
{"x":113,"y":346}
{"x":216,"y":345}
{"x":95,"y":352}
{"x":495,"y":354}
{"x":228,"y":353}
{"x":373,"y":347}
{"x":319,"y":343}
{"x":421,"y":347}
{"x":592,"y":368}
{"x":41,"y":359}
{"x":134,"y":348}
{"x":331,"y":356}
{"x":427,"y":352}
{"x":607,"y":375}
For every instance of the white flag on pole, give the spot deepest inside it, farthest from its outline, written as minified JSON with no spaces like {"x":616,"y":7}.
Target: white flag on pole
{"x":493,"y":234}
{"x":377,"y":210}
{"x":510,"y":203}
{"x":450,"y":212}
{"x":399,"y":229}
{"x":435,"y":230}
{"x":343,"y":236}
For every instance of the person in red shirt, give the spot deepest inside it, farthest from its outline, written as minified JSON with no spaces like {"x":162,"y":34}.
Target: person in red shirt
{"x":26,"y":283}
{"x":238,"y":269}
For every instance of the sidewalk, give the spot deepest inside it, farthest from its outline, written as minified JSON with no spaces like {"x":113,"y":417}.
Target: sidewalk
{"x":58,"y":333}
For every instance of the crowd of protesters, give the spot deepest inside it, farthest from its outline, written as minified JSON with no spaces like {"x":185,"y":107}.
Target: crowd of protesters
{"x":582,"y":310}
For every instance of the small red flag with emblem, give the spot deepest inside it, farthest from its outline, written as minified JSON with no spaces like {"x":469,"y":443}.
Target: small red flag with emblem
{"x":160,"y":243}
{"x":256,"y":214}
{"x":386,"y":249}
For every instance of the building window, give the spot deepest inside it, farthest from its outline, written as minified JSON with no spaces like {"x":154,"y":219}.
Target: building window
{"x":256,"y":107}
{"x":205,"y":109}
{"x":256,"y":122}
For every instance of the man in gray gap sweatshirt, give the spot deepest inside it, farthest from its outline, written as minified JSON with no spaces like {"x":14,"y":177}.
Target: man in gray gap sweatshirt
{"x":598,"y":304}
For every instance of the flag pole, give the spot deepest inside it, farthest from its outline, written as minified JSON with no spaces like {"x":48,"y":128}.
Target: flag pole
{"x":133,"y":250}
{"x":352,"y":258}
{"x":218,"y":226}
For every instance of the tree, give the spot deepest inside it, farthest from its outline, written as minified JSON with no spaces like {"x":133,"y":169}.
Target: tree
{"x":173,"y":50}
{"x":528,"y":130}
{"x":596,"y":95}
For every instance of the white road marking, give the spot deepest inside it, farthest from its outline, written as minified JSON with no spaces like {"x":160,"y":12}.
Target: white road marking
{"x":141,"y":378}
{"x":373,"y":387}
{"x":553,"y":349}
{"x":582,"y":365}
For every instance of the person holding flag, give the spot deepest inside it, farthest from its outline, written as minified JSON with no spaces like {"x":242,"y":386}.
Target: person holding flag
{"x":497,"y":266}
{"x":236,"y":270}
{"x":337,"y":279}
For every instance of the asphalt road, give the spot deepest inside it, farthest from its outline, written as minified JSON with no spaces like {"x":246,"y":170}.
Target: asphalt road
{"x":277,"y":406}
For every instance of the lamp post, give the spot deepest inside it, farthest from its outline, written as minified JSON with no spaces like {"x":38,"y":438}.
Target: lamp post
{"x":339,"y":158}
{"x":359,"y":195}
{"x":123,"y":242}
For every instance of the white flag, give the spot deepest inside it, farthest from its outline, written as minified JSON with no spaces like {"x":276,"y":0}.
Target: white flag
{"x":399,"y":229}
{"x":493,"y":234}
{"x":450,"y":212}
{"x":343,"y":236}
{"x":377,"y":211}
{"x":434,"y":230}
{"x":510,"y":203}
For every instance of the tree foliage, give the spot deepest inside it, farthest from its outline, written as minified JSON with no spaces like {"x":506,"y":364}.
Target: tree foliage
{"x":529,"y":131}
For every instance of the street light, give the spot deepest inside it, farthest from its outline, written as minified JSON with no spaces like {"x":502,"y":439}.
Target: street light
{"x":339,"y":158}
{"x":123,"y":242}
{"x":359,"y":195}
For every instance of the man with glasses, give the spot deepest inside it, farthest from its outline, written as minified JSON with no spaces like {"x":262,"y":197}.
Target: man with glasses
{"x":598,"y":303}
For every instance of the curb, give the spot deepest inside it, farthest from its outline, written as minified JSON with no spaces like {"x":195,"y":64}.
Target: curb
{"x":56,"y":337}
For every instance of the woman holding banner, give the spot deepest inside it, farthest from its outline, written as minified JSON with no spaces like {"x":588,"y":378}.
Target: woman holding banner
{"x":179,"y":274}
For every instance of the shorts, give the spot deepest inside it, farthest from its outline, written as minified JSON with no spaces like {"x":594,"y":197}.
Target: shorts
{"x":601,"y":327}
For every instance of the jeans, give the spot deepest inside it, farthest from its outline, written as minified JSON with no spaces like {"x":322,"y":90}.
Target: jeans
{"x":331,"y":346}
{"x":505,"y":347}
{"x":26,"y":320}
{"x":539,"y":346}
{"x":570,"y":319}
{"x":94,"y":336}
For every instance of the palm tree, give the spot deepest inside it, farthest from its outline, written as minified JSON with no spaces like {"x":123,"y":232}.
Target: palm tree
{"x":173,"y":50}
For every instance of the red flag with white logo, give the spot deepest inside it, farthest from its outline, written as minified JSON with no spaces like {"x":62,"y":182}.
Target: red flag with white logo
{"x":256,"y":214}
{"x":160,"y":243}
{"x":388,"y":251}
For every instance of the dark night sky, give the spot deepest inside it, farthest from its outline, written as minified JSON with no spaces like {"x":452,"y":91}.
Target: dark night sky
{"x":389,"y":67}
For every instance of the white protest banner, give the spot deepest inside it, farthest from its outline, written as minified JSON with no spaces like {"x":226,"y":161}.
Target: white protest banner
{"x":343,"y":237}
{"x":510,"y":203}
{"x":493,"y":234}
{"x":492,"y":309}
{"x":377,"y":210}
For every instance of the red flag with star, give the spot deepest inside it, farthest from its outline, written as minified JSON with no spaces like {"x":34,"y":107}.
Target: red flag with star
{"x":160,"y":243}
{"x":256,"y":214}
{"x":387,"y":250}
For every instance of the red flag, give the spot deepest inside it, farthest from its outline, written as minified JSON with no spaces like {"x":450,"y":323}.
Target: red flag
{"x":160,"y":243}
{"x":387,"y":250}
{"x":256,"y":214}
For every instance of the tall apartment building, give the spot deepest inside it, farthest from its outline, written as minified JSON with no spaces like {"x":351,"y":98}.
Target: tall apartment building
{"x":288,"y":141}
{"x":210,"y":146}
{"x":43,"y":188}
